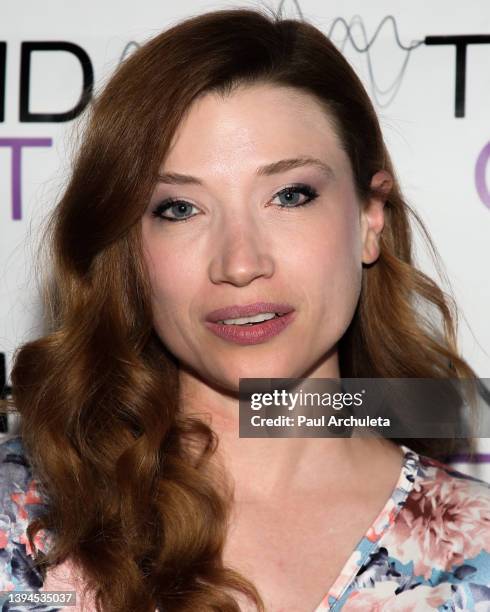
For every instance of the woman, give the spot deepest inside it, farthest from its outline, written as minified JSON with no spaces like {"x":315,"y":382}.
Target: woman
{"x":233,"y":162}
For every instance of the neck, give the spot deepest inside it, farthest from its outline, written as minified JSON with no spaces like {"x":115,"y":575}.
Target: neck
{"x":272,"y":468}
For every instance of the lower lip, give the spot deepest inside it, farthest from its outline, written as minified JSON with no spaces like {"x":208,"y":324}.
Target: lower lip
{"x":251,"y":334}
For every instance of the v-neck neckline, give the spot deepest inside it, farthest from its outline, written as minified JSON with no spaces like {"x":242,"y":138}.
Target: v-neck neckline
{"x":381,"y":525}
{"x":378,"y":528}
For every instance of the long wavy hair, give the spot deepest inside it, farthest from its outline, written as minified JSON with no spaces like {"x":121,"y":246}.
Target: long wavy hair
{"x":133,"y":496}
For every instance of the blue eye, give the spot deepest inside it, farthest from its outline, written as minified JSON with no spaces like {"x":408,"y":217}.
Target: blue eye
{"x":179,"y":205}
{"x":289,"y":193}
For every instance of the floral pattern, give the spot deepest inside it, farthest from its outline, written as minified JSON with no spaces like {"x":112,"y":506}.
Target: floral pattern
{"x":428,"y":549}
{"x":20,"y":503}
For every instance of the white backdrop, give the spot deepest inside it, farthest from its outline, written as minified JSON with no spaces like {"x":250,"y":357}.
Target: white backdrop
{"x":441,"y":158}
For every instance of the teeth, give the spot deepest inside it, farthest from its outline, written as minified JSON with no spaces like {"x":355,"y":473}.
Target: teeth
{"x":264,"y":316}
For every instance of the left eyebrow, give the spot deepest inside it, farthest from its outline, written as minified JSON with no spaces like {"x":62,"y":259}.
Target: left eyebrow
{"x":283,"y":165}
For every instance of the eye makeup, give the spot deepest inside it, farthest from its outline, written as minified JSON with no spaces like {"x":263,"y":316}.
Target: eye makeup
{"x":176,"y":203}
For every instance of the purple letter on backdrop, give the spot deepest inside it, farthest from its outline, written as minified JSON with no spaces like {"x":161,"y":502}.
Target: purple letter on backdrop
{"x":16,"y":145}
{"x":480,"y":175}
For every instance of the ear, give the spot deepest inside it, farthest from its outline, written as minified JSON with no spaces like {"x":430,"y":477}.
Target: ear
{"x":372,"y":216}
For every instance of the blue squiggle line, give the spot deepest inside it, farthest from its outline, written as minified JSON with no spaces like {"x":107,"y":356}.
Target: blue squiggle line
{"x":357,"y":20}
{"x":396,"y":84}
{"x":389,"y":18}
{"x":296,"y":4}
{"x":127,"y":50}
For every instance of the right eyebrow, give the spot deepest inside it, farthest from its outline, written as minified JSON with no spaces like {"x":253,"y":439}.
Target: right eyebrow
{"x":283,"y":165}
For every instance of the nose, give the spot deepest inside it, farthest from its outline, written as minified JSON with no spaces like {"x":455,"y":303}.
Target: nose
{"x":240,"y":255}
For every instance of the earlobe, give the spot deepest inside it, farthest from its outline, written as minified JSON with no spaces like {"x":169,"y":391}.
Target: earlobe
{"x":371,"y":249}
{"x":373,"y":216}
{"x":372,"y":225}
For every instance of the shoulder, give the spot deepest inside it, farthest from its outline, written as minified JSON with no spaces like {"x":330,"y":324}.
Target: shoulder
{"x":437,"y":551}
{"x":455,"y":499}
{"x":444,"y":532}
{"x":462,"y":509}
{"x":20,"y":503}
{"x":446,"y":520}
{"x":452,"y":487}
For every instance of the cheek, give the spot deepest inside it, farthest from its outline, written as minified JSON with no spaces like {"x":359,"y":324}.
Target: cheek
{"x":333,"y":250}
{"x":170,"y":280}
{"x":331,"y":267}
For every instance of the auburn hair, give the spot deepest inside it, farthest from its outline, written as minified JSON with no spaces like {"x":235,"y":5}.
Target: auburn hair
{"x":134,"y":499}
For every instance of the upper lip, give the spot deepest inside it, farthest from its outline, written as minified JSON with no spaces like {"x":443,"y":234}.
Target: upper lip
{"x":247,"y":310}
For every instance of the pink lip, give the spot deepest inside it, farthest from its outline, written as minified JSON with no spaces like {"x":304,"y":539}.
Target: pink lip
{"x":252,"y":334}
{"x":247,"y":310}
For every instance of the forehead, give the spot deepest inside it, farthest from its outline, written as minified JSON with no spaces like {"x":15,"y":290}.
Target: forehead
{"x":254,"y":123}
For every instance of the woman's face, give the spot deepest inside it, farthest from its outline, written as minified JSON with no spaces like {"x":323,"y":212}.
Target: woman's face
{"x":247,"y":239}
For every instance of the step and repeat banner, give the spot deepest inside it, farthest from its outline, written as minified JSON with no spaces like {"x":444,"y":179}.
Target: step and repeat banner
{"x":425,"y":66}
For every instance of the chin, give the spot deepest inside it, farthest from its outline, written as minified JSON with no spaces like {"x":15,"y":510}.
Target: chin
{"x":231,"y":380}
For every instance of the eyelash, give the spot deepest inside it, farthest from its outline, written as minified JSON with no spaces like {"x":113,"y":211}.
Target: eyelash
{"x":302,"y":188}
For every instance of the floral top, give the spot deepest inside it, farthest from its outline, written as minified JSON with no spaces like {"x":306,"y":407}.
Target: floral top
{"x":428,"y":549}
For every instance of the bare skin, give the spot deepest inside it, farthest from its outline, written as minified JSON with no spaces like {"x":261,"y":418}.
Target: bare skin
{"x":300,"y":504}
{"x":294,"y":546}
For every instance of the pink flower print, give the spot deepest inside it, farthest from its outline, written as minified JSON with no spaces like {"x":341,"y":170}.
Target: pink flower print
{"x":385,"y":518}
{"x":38,"y":542}
{"x":6,"y":585}
{"x":349,"y":570}
{"x":4,"y":531}
{"x":382,"y":598}
{"x":445,"y":521}
{"x":31,"y":496}
{"x":21,"y":499}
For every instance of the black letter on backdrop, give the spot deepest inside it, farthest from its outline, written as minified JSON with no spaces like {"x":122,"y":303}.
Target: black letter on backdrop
{"x":460,"y":42}
{"x":3,"y":63}
{"x":4,"y":391}
{"x":25,"y":72}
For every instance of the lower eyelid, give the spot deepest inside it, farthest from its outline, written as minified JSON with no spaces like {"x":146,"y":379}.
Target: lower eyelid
{"x":163,"y":207}
{"x":309,"y":192}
